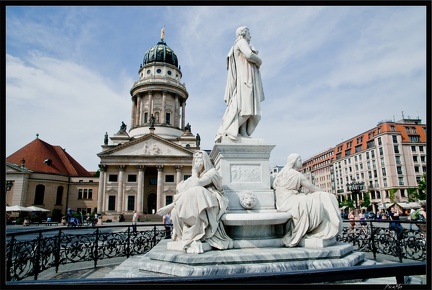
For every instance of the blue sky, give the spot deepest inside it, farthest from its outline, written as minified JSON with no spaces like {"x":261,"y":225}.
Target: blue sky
{"x":329,"y":72}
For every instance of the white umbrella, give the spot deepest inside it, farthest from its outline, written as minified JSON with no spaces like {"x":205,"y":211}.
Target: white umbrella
{"x":17,"y":208}
{"x":35,"y":208}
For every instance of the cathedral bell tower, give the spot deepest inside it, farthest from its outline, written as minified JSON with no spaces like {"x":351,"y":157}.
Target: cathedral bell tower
{"x":159,"y":97}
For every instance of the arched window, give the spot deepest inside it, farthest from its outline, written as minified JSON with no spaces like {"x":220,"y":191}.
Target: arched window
{"x":59,"y":196}
{"x":39,"y":194}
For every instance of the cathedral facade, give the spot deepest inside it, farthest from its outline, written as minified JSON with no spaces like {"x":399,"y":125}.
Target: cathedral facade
{"x":141,"y":167}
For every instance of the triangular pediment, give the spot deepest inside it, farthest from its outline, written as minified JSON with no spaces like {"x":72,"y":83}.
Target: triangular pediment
{"x":149,"y":145}
{"x":14,"y":168}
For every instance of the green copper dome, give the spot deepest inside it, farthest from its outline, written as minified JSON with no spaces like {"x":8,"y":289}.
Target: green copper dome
{"x":161,"y":52}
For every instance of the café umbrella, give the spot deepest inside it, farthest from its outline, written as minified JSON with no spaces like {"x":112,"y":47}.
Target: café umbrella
{"x":17,"y":208}
{"x":35,"y":208}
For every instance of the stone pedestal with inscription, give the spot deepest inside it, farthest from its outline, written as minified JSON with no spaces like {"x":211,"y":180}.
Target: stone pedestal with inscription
{"x":244,"y":167}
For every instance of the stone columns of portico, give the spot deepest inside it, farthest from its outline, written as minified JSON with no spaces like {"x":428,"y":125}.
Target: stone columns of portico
{"x":176,"y":110}
{"x":163,"y":117}
{"x":179,"y":169}
{"x":133,"y":113}
{"x":159,"y":187}
{"x":140,"y":106}
{"x":120,"y":193}
{"x":101,"y":190}
{"x":150,"y":104}
{"x":140,"y":191}
{"x":183,"y":114}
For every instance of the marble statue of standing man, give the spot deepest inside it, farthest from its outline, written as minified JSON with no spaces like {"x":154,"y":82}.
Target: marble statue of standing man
{"x":244,"y":91}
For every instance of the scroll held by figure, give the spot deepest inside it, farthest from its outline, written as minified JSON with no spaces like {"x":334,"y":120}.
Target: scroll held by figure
{"x":244,"y":90}
{"x":197,"y":208}
{"x":315,"y":213}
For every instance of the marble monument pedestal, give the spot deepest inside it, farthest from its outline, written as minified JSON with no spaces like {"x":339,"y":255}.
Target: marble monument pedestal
{"x":166,"y":263}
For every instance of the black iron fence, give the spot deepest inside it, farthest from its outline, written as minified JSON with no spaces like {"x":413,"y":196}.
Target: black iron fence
{"x":402,"y":239}
{"x":27,"y":256}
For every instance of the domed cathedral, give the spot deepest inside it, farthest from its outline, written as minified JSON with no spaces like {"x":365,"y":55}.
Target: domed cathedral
{"x":141,"y":167}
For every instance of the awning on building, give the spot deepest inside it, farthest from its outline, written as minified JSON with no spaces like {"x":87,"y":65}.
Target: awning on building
{"x":401,"y":205}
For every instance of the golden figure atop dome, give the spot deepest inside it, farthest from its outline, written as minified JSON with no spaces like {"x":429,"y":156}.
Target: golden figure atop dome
{"x":163,"y":33}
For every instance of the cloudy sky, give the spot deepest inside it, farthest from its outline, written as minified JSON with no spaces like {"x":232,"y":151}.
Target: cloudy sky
{"x":329,"y":72}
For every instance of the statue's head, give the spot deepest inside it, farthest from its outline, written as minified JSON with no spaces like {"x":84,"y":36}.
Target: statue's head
{"x":247,"y":199}
{"x":241,"y":31}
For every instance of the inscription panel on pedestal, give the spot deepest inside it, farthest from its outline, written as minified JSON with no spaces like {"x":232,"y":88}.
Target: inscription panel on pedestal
{"x":245,"y":173}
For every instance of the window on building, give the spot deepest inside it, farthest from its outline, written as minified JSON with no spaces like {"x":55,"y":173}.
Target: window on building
{"x":415,"y":159}
{"x":186,"y":177}
{"x":131,"y":202}
{"x":59,"y":195}
{"x":132,"y":178}
{"x":370,"y":144}
{"x":413,"y":129}
{"x":80,"y":193}
{"x":381,"y":151}
{"x":416,"y":169}
{"x":39,"y":194}
{"x":413,"y":148}
{"x":383,"y":172}
{"x":153,"y":181}
{"x":168,"y":118}
{"x":169,"y":178}
{"x":414,"y":138}
{"x":347,"y":152}
{"x":90,"y":193}
{"x":372,"y":154}
{"x":399,"y":170}
{"x":396,"y":149}
{"x":392,"y":128}
{"x":358,"y":148}
{"x":424,"y":169}
{"x":401,"y":181}
{"x":398,"y":160}
{"x":394,"y":138}
{"x":422,"y":158}
{"x":111,"y":202}
{"x":168,"y":199}
{"x":407,"y":129}
{"x":421,"y":148}
{"x":379,"y":141}
{"x":112,"y":177}
{"x":367,"y":155}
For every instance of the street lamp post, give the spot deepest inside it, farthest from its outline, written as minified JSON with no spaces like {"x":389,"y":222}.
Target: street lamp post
{"x":355,"y":187}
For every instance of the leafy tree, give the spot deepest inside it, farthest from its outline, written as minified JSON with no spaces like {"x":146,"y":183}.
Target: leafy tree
{"x":413,"y":194}
{"x":392,"y":192}
{"x":366,"y":200}
{"x":97,"y":173}
{"x":422,"y":187}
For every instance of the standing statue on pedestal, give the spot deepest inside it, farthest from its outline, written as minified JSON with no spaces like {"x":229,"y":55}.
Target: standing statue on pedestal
{"x":198,"y":207}
{"x":244,"y":91}
{"x":314,"y":214}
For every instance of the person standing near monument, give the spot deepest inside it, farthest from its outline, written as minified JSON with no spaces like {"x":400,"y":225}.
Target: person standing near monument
{"x":134,"y":221}
{"x":244,"y":91}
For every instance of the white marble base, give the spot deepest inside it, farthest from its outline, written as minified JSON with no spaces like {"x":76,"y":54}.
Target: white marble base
{"x":316,"y":243}
{"x":162,"y":262}
{"x":193,"y":249}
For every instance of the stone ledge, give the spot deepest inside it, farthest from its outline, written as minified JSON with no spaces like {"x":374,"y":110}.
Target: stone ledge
{"x":251,"y":218}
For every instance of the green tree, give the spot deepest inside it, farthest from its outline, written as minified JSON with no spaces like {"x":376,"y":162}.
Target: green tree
{"x":366,"y":200}
{"x":422,"y":187}
{"x":97,"y":173}
{"x":413,"y":194}
{"x":392,"y":195}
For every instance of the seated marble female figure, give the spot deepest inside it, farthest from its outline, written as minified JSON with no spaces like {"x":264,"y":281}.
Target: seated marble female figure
{"x":315,"y":214}
{"x":198,"y":207}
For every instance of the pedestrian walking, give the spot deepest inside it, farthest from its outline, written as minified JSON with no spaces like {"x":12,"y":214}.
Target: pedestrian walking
{"x":134,"y":221}
{"x":168,"y":225}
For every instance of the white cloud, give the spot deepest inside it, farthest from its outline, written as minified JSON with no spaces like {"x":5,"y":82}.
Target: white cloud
{"x":329,"y":73}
